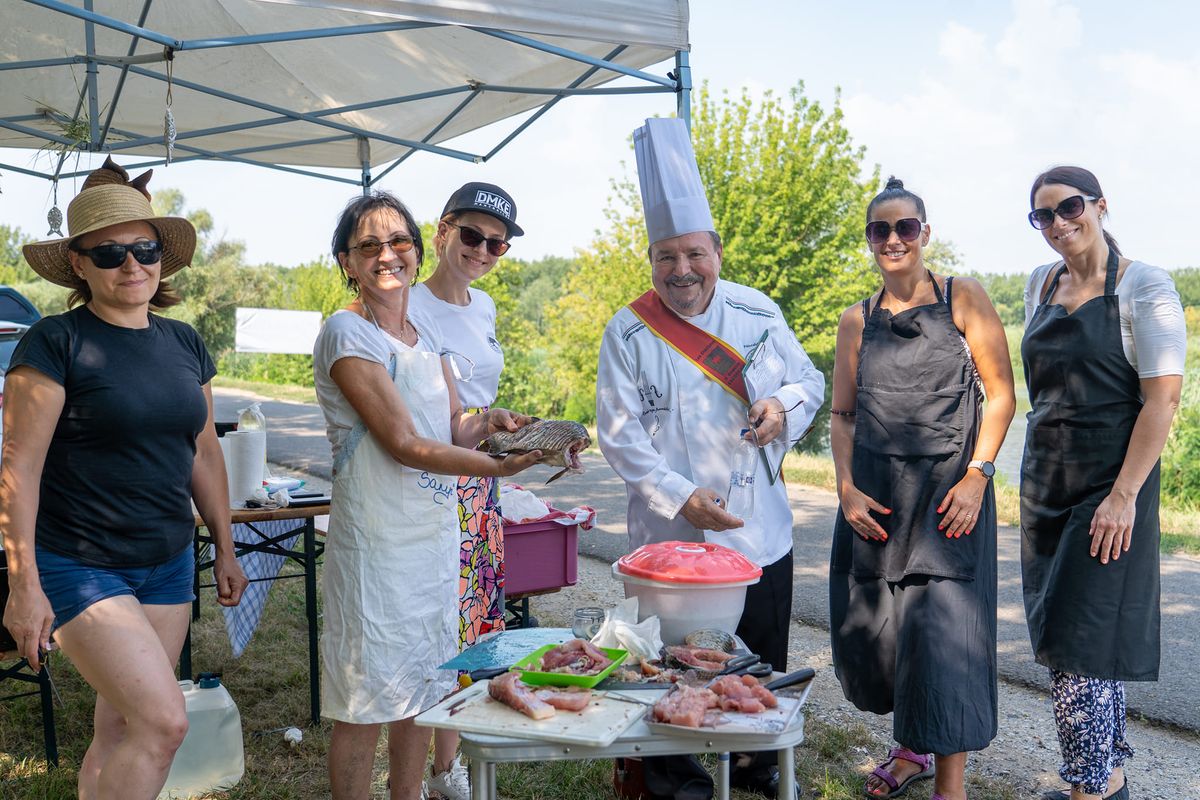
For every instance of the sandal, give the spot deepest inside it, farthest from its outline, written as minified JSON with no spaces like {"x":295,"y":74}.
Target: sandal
{"x":925,"y":762}
{"x":1065,"y":794}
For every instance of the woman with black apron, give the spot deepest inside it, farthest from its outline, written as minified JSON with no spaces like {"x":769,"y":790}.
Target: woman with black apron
{"x":912,"y":583}
{"x":1104,"y":351}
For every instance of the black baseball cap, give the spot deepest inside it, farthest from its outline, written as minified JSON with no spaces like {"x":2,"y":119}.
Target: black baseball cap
{"x":486,"y":198}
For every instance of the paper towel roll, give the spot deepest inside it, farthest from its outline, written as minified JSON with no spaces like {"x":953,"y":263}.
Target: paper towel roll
{"x":247,"y":451}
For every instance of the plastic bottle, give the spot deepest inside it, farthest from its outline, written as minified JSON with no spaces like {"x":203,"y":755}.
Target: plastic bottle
{"x":251,"y":418}
{"x":211,"y":757}
{"x":741,"y":478}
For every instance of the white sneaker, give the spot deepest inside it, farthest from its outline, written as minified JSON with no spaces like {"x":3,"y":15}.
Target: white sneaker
{"x":453,"y":784}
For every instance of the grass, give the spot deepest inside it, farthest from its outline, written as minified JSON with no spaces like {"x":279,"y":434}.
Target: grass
{"x":270,"y":685}
{"x":1180,"y":526}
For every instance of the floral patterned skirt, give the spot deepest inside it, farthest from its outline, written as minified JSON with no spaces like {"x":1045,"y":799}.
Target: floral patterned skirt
{"x":480,"y":559}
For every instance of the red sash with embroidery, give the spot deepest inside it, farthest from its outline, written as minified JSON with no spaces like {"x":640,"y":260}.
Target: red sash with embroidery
{"x":716,"y":359}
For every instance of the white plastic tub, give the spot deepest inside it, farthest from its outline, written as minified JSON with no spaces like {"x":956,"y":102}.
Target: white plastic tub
{"x":695,"y":595}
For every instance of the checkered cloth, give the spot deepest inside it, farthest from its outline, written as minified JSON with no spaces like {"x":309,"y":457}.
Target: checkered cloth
{"x":261,"y":568}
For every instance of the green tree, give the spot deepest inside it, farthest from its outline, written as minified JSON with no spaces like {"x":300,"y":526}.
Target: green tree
{"x":784,"y":186}
{"x":783,"y":182}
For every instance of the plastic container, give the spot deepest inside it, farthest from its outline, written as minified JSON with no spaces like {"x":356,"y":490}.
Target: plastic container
{"x":687,"y":585}
{"x":741,"y":479}
{"x":539,"y":557}
{"x":211,"y":757}
{"x":529,"y":673}
{"x":251,"y":418}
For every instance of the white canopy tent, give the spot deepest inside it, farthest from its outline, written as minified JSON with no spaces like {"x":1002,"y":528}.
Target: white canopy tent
{"x":290,"y":84}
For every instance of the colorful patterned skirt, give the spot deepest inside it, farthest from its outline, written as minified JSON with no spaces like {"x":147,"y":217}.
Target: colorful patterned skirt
{"x":480,"y":559}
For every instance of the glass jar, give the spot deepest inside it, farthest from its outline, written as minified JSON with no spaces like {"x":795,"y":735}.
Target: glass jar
{"x":587,"y":621}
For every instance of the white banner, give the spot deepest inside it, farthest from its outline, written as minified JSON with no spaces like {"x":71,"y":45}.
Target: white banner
{"x":274,"y":330}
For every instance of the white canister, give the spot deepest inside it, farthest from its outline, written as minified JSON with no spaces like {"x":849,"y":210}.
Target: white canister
{"x":211,"y":757}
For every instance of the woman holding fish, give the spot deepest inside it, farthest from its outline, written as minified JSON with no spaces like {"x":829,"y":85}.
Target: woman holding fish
{"x":473,"y":233}
{"x":398,"y":432}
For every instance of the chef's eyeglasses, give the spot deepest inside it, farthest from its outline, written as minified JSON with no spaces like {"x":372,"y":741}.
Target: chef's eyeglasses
{"x":907,"y":229}
{"x":370,"y":248}
{"x":111,"y":256}
{"x":1072,"y":207}
{"x":473,"y":238}
{"x":462,"y":367}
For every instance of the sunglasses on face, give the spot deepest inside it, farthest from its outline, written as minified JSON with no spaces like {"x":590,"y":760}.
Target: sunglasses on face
{"x":907,"y":229}
{"x":472,"y":238}
{"x":369,"y":248}
{"x":1072,"y":207}
{"x":111,"y":256}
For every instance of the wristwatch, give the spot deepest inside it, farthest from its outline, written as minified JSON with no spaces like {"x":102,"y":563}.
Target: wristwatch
{"x":986,"y":467}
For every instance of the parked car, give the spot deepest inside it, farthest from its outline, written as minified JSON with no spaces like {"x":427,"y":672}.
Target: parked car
{"x":10,"y":334}
{"x":15,"y":307}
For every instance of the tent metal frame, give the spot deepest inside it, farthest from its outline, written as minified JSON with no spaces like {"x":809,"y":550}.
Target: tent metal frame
{"x":677,"y":81}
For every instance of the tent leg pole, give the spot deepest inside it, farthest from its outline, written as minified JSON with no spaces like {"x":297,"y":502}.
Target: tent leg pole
{"x":364,"y":157}
{"x":683,"y":88}
{"x":89,"y":33}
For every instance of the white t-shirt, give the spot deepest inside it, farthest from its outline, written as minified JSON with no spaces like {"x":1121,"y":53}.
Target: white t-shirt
{"x":1153,"y":332}
{"x":466,"y":337}
{"x":347,"y":335}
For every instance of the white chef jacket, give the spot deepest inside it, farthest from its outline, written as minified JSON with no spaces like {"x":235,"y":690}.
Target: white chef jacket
{"x":667,"y":429}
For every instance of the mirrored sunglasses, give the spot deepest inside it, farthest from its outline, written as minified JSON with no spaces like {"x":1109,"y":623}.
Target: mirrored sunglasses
{"x":369,"y":248}
{"x":1072,"y":207}
{"x":907,"y":229}
{"x":111,"y":256}
{"x":472,"y":238}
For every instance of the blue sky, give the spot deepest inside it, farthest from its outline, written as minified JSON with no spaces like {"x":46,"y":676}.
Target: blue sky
{"x":966,"y":101}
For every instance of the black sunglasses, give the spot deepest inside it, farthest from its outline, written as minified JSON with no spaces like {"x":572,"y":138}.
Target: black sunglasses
{"x":1072,"y":207}
{"x":111,"y":256}
{"x":472,"y":238}
{"x":369,"y":248}
{"x":907,"y":229}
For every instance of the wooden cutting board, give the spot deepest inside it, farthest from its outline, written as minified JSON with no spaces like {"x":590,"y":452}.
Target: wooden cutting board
{"x":474,"y":711}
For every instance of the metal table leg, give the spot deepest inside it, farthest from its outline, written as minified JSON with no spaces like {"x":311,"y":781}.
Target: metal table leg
{"x":723,"y":776}
{"x":479,"y":779}
{"x":49,"y":736}
{"x":310,"y":607}
{"x":787,"y":773}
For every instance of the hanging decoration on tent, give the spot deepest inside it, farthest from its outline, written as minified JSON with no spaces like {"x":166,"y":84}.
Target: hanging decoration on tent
{"x":169,"y":118}
{"x":54,"y":216}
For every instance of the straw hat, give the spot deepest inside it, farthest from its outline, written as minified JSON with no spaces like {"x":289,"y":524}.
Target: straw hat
{"x":109,"y":197}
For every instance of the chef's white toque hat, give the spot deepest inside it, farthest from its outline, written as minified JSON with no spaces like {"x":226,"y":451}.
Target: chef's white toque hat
{"x":673,"y":198}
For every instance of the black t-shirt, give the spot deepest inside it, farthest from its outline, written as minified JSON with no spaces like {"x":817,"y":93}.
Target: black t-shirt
{"x":117,"y":484}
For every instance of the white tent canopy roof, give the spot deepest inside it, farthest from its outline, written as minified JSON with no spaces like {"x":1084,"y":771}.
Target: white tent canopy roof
{"x":344,"y":84}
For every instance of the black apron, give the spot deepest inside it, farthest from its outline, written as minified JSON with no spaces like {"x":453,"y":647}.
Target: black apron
{"x":913,"y":619}
{"x":919,"y":409}
{"x":1085,"y":618}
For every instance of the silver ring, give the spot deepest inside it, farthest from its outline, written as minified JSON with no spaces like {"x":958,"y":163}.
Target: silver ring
{"x":968,"y":516}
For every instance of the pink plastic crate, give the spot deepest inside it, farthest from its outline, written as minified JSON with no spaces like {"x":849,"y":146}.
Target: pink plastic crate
{"x":539,"y":557}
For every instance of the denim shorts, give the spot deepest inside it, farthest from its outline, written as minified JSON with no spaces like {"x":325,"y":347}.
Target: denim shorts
{"x":72,"y":586}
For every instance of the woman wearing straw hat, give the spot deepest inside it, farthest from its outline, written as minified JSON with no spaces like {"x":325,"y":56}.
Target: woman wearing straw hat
{"x":109,"y":437}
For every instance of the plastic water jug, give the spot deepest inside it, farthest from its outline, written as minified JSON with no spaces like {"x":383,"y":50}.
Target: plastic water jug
{"x":211,"y":756}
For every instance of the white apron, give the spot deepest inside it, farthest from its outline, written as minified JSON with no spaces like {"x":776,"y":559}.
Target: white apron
{"x":390,"y":581}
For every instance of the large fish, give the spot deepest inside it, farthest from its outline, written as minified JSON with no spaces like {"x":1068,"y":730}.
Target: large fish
{"x":560,"y":441}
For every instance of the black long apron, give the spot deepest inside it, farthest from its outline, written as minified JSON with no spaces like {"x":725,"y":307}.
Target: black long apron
{"x":913,"y":619}
{"x":1085,"y":618}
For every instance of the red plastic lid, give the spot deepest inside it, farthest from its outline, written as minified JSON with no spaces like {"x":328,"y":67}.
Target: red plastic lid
{"x":688,"y":562}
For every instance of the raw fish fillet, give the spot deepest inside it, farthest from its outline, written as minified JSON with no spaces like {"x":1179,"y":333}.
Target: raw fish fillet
{"x":509,"y":689}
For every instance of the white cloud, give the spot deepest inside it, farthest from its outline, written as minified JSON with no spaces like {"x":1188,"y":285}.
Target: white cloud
{"x":994,"y":108}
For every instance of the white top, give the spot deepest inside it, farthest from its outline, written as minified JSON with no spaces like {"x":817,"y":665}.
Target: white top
{"x":466,"y":337}
{"x":347,"y":335}
{"x":1153,"y":332}
{"x":666,"y":428}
